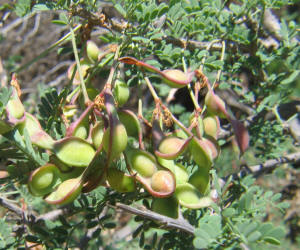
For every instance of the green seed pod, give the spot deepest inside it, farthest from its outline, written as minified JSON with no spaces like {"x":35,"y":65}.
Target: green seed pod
{"x":41,"y":139}
{"x":37,"y":135}
{"x":119,"y":181}
{"x":30,"y":123}
{"x":181,"y":175}
{"x":43,"y":179}
{"x":15,"y":108}
{"x":81,"y":131}
{"x":188,"y":196}
{"x":119,"y":140}
{"x":211,"y":126}
{"x":74,"y":151}
{"x":180,"y":133}
{"x":66,"y":192}
{"x":121,"y":92}
{"x":200,"y":180}
{"x":142,"y":162}
{"x":215,"y":105}
{"x":176,"y":78}
{"x":162,"y":181}
{"x":159,"y":181}
{"x":200,"y":153}
{"x":171,"y":147}
{"x":14,"y":113}
{"x":169,"y":164}
{"x":131,"y":122}
{"x":166,"y":206}
{"x":92,"y":51}
{"x":80,"y":127}
{"x":213,"y":146}
{"x":97,"y":134}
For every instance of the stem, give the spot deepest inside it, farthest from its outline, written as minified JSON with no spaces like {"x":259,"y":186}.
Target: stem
{"x":99,"y":66}
{"x":82,"y":84}
{"x":112,"y":69}
{"x":70,"y":96}
{"x":46,"y":51}
{"x":140,"y":108}
{"x":220,"y":70}
{"x":175,"y":120}
{"x":158,"y":101}
{"x":190,"y":88}
{"x":152,"y":90}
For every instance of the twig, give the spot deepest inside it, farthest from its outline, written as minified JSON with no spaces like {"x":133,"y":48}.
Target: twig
{"x":82,"y":84}
{"x":53,"y":215}
{"x":17,"y":210}
{"x":271,"y":164}
{"x":168,"y":222}
{"x":264,"y":167}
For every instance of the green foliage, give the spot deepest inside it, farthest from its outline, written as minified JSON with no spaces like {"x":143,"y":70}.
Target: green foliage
{"x":6,"y":240}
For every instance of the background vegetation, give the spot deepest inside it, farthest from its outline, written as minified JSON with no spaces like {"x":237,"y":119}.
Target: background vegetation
{"x":250,"y":47}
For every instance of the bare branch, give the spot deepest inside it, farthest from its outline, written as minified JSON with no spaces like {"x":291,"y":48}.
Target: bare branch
{"x":270,"y":165}
{"x":264,"y":167}
{"x":17,"y":210}
{"x":167,"y":222}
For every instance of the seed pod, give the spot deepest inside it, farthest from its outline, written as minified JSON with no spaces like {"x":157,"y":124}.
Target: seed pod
{"x":65,"y":171}
{"x":97,"y":133}
{"x":176,"y":78}
{"x":119,"y":181}
{"x":43,"y":179}
{"x":30,"y":123}
{"x":142,"y":162}
{"x":14,"y":113}
{"x":162,"y":181}
{"x":188,"y":196}
{"x":169,"y":164}
{"x":80,"y":127}
{"x":15,"y":107}
{"x":166,"y":206}
{"x":92,"y":51}
{"x":201,"y":153}
{"x":115,"y":136}
{"x":66,"y":192}
{"x":41,"y":139}
{"x":215,"y":105}
{"x":118,"y":140}
{"x":171,"y":147}
{"x":121,"y":92}
{"x":180,"y":133}
{"x":200,"y":180}
{"x":211,"y":126}
{"x":37,"y":135}
{"x":167,"y":147}
{"x":74,"y":151}
{"x":213,"y":146}
{"x":131,"y":122}
{"x":181,"y":175}
{"x":159,"y":181}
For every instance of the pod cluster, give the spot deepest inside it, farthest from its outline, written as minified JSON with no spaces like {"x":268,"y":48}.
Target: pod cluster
{"x":105,"y":133}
